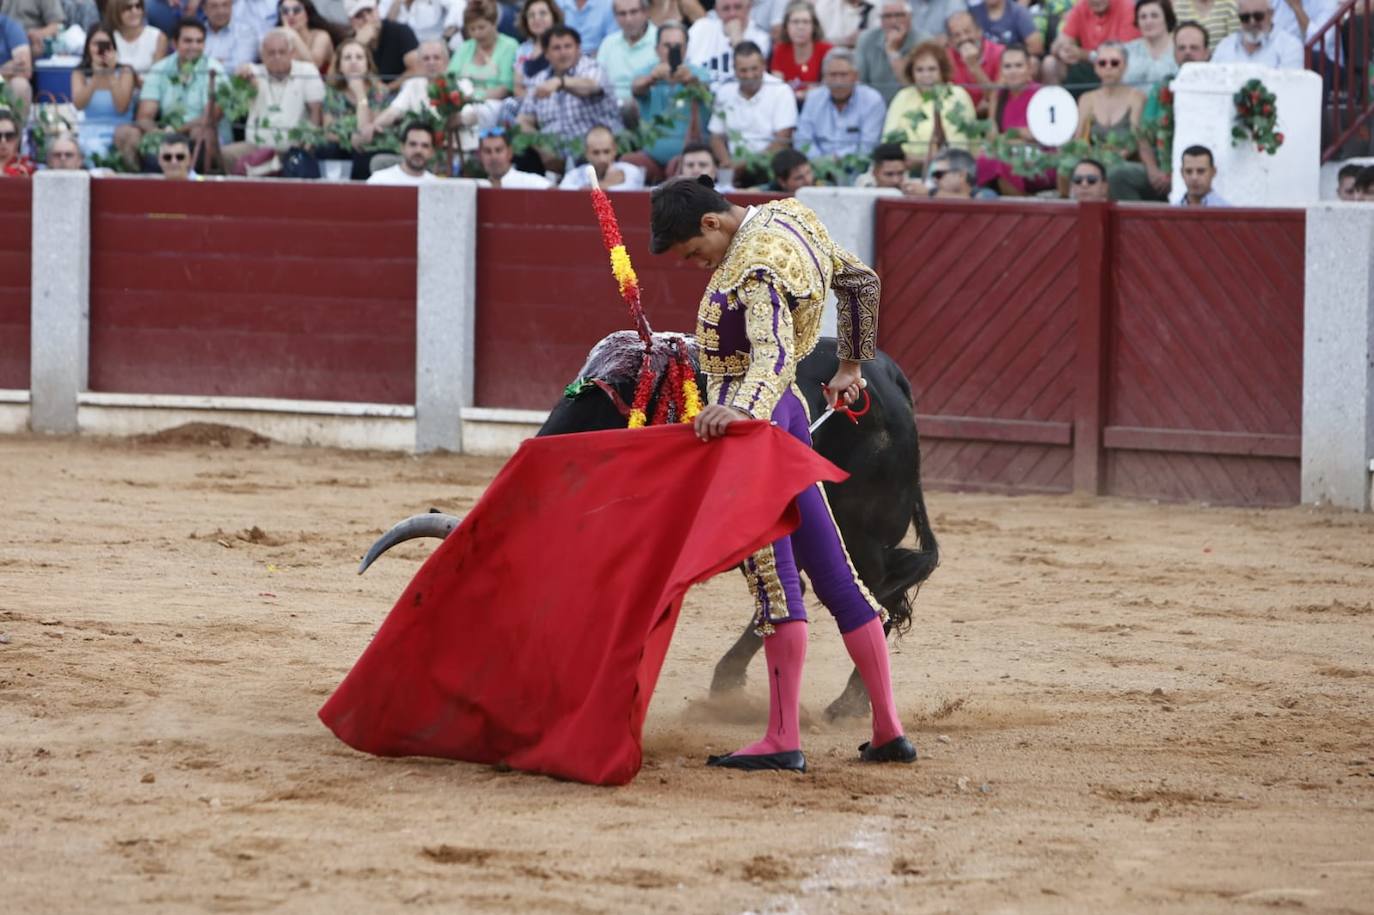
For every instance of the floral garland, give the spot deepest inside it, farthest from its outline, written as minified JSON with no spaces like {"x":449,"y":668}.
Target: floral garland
{"x":447,"y":99}
{"x":1256,"y":117}
{"x":682,"y":382}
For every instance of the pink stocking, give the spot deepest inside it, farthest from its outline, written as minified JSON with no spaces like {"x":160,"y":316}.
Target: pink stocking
{"x":867,"y":647}
{"x":785,"y":651}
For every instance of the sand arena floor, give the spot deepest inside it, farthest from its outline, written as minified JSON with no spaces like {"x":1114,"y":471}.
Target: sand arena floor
{"x":1122,"y":707}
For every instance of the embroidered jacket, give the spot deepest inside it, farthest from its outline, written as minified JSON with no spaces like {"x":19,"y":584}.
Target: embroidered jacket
{"x":761,"y":312}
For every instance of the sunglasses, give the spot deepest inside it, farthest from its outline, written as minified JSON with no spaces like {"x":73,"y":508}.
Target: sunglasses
{"x":486,"y":132}
{"x":103,"y":47}
{"x":8,"y":136}
{"x":174,"y":157}
{"x":1086,"y":179}
{"x":938,"y":173}
{"x":1111,"y":64}
{"x":1253,"y":17}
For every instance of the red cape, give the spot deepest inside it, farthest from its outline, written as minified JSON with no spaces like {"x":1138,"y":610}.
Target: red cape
{"x":534,"y":634}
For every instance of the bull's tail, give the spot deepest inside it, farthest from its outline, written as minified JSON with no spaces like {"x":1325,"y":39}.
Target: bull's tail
{"x":904,"y":569}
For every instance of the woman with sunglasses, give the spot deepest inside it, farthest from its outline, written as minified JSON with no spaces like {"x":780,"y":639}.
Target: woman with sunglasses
{"x":1219,"y":17}
{"x":354,"y":92}
{"x":103,"y":88}
{"x":536,"y":18}
{"x":311,"y":36}
{"x":139,"y":44}
{"x":930,"y":114}
{"x":1010,"y":105}
{"x":1109,"y":116}
{"x":1151,"y":55}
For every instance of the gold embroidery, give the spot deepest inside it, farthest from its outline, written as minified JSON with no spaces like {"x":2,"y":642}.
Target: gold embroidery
{"x":761,"y":573}
{"x":858,"y":292}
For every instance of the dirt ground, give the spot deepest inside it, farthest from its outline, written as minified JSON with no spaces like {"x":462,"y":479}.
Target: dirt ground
{"x":1121,"y":706}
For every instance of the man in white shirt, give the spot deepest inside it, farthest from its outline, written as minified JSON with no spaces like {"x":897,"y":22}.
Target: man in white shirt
{"x":712,"y":39}
{"x":1258,"y":42}
{"x":599,"y":146}
{"x":413,"y":168}
{"x":756,"y":106}
{"x":290,"y":94}
{"x":414,"y":95}
{"x":493,"y":149}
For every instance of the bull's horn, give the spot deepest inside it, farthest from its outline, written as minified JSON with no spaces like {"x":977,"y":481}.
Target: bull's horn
{"x":431,"y":524}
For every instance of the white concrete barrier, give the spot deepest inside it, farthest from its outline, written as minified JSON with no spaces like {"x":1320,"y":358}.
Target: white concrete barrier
{"x":60,"y":291}
{"x":848,"y":214}
{"x":1338,"y":356}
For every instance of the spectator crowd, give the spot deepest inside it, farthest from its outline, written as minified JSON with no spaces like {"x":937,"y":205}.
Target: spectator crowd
{"x":930,"y":97}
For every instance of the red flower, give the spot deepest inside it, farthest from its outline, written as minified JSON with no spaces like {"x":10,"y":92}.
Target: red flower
{"x":438,"y":138}
{"x":455,"y":97}
{"x":1279,"y":138}
{"x":439,"y":83}
{"x":434,"y":102}
{"x":1267,"y":110}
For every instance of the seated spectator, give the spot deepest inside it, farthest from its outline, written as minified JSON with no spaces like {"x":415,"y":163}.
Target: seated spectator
{"x":699,"y":159}
{"x":791,"y":171}
{"x":593,"y":20}
{"x":713,"y":39}
{"x":1345,"y":182}
{"x":1258,"y":42}
{"x":798,"y":57}
{"x":495,"y":153}
{"x":84,"y":14}
{"x":953,"y":171}
{"x":1109,"y":116}
{"x":1218,"y":17}
{"x":843,"y":21}
{"x":417,"y":149}
{"x":536,"y":18}
{"x":661,"y":11}
{"x":1151,"y":55}
{"x":924,"y":114}
{"x":611,"y":173}
{"x":889,"y":168}
{"x":1199,"y":171}
{"x":1155,"y":146}
{"x":351,"y":100}
{"x":64,"y":154}
{"x":103,"y":89}
{"x":174,"y":157}
{"x":976,"y":60}
{"x":846,"y":118}
{"x":568,"y":97}
{"x":16,"y":62}
{"x":756,"y":106}
{"x":290,"y":95}
{"x":929,"y":17}
{"x":487,"y":61}
{"x":1007,"y":22}
{"x":12,"y":165}
{"x":138,"y":43}
{"x":629,"y":51}
{"x":1364,"y":184}
{"x":393,"y":45}
{"x":658,"y":89}
{"x":429,"y":20}
{"x":259,"y":15}
{"x":413,"y":98}
{"x":176,"y":93}
{"x":312,"y":38}
{"x":40,"y":20}
{"x":1089,"y":24}
{"x":883,"y":49}
{"x":1088,"y":181}
{"x":1009,"y":107}
{"x":229,"y":39}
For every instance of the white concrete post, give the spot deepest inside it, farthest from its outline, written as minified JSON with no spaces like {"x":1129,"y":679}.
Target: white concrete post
{"x":60,"y":297}
{"x":445,"y":311}
{"x":849,"y":215}
{"x":1338,"y":356}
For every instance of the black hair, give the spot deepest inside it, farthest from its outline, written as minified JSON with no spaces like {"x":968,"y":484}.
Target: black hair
{"x":785,"y":160}
{"x":749,"y":49}
{"x":188,"y":22}
{"x":676,"y":208}
{"x":1364,"y":181}
{"x":559,"y":31}
{"x":7,"y":115}
{"x":1101,"y":169}
{"x":700,"y":147}
{"x":1349,"y":171}
{"x":413,"y":126}
{"x":175,"y":139}
{"x":1194,"y":24}
{"x":887,"y":152}
{"x":1170,"y":18}
{"x":1196,"y":150}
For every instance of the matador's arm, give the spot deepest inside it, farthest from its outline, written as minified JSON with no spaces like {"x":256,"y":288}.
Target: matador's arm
{"x":857,"y":291}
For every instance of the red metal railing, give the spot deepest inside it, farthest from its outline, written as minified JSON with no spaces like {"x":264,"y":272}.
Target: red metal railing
{"x":1340,"y":52}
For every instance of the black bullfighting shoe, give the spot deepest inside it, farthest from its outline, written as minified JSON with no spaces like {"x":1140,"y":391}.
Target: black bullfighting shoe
{"x":789,"y":761}
{"x":896,"y":750}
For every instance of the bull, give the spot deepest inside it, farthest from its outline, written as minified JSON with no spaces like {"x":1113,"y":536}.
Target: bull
{"x":874,"y":508}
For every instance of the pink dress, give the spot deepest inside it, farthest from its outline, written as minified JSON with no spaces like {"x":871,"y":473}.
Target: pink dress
{"x":1011,"y":117}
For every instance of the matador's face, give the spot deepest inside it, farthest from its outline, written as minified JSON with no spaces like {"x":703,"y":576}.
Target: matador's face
{"x":708,"y":249}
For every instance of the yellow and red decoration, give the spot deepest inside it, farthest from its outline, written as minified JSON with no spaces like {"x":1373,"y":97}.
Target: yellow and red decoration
{"x":682,"y":383}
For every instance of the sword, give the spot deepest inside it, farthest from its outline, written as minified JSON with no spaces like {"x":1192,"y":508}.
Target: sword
{"x":830,"y":411}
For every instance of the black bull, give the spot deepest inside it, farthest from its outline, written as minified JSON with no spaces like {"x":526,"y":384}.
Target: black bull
{"x":873,"y":508}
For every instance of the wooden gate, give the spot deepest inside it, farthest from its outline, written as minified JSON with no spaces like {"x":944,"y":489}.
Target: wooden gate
{"x":16,"y":206}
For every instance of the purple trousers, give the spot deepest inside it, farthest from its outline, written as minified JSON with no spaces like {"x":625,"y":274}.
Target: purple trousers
{"x":814,"y":548}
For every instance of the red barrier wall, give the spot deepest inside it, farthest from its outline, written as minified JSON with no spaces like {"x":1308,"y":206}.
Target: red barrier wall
{"x":1127,"y":350}
{"x":327,"y":311}
{"x":545,"y":293}
{"x":16,"y":204}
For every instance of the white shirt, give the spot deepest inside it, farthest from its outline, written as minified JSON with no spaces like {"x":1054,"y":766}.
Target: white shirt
{"x":280,"y":105}
{"x":708,"y":47}
{"x":413,"y":97}
{"x":427,"y":18}
{"x":1319,"y":12}
{"x":758,"y":119}
{"x":1278,"y":50}
{"x":516,"y":180}
{"x":579,"y":179}
{"x":397,"y":176}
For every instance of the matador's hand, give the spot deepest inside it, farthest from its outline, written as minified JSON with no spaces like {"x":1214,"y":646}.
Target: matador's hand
{"x":846,"y":383}
{"x":712,"y":420}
